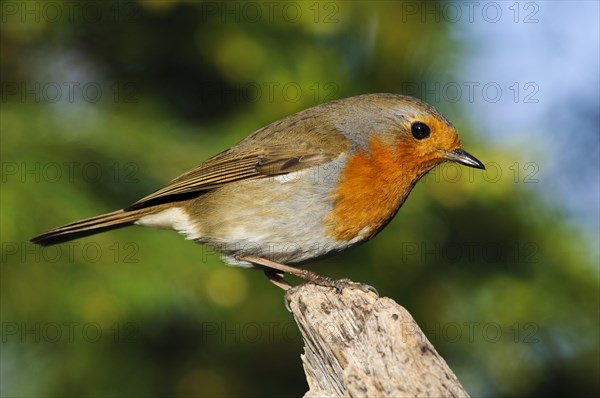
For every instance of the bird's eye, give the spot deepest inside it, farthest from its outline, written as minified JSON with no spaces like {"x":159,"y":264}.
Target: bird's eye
{"x":419,"y":130}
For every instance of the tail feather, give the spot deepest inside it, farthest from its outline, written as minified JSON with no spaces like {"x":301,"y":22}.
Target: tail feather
{"x":90,"y":226}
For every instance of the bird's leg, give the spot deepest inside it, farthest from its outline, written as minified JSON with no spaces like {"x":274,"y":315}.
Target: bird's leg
{"x":275,"y":272}
{"x":305,"y":274}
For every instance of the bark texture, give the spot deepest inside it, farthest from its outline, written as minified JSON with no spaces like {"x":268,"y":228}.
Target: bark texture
{"x":357,"y":345}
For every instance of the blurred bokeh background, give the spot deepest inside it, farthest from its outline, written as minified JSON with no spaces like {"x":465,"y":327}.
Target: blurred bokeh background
{"x":102,"y":102}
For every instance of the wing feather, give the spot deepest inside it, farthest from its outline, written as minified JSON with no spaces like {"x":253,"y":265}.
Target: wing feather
{"x":305,"y":139}
{"x":230,"y":167}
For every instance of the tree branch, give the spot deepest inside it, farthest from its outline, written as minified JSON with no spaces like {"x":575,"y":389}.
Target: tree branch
{"x":357,"y":344}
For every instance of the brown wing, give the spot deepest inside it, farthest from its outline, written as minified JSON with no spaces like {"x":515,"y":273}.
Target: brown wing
{"x":305,"y":139}
{"x":228,"y":167}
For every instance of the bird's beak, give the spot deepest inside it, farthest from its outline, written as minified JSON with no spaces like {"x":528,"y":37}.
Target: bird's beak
{"x":463,"y":157}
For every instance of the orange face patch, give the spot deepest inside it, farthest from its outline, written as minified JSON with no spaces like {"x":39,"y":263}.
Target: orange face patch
{"x":374,"y":184}
{"x":443,"y":137}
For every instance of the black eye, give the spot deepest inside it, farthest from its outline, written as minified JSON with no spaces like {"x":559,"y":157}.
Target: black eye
{"x":419,"y":130}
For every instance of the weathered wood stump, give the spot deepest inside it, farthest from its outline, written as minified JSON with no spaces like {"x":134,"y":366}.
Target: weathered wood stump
{"x":359,"y":345}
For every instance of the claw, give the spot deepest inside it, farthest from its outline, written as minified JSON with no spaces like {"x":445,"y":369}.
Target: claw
{"x":338,"y":284}
{"x":347,"y":283}
{"x":286,"y":299}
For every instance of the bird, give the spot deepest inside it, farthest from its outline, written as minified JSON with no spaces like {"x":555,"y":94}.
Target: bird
{"x":303,"y":188}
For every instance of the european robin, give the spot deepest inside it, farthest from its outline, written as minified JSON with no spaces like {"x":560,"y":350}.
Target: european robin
{"x":310,"y":185}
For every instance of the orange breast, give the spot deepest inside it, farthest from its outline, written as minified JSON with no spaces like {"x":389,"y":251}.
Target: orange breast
{"x":372,"y":186}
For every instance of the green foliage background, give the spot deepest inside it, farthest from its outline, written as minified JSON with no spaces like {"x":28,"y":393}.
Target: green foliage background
{"x":504,"y":287}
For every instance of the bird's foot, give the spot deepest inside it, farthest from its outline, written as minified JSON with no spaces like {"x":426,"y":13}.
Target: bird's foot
{"x":340,"y":284}
{"x":275,"y":272}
